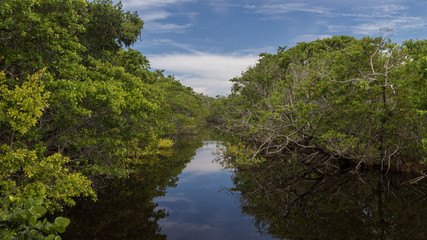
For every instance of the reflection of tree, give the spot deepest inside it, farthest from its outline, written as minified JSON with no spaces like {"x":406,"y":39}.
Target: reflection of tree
{"x":291,"y":202}
{"x":125,"y":209}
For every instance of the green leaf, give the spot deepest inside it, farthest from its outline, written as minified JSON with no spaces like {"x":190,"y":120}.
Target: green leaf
{"x":50,"y":237}
{"x":39,"y":210}
{"x":32,"y":221}
{"x":13,"y":199}
{"x":62,"y":221}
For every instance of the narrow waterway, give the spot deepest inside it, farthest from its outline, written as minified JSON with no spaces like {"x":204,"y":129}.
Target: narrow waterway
{"x":185,"y":196}
{"x":189,"y":196}
{"x":200,"y":207}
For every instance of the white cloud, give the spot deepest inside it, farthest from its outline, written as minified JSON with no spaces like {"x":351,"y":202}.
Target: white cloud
{"x":309,"y":37}
{"x":389,"y":8}
{"x":169,"y":43}
{"x":151,"y":3}
{"x":373,"y":26}
{"x":275,"y":9}
{"x":149,"y":16}
{"x":221,"y":6}
{"x":166,"y":27}
{"x":156,"y":13}
{"x":206,"y":73}
{"x":366,"y":28}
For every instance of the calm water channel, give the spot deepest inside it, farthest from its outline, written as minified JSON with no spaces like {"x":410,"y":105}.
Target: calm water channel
{"x":189,"y":196}
{"x":200,"y":207}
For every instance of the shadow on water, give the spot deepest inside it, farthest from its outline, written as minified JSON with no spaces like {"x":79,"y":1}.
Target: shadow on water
{"x":285,"y":201}
{"x":292,"y":202}
{"x":125,"y":208}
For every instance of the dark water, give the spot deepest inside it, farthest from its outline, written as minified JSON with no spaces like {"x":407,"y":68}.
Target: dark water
{"x":296,"y":202}
{"x":188,"y":196}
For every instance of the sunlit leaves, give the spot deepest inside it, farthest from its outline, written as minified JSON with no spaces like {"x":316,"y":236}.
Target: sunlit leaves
{"x":94,"y":108}
{"x":40,"y":177}
{"x":23,"y":104}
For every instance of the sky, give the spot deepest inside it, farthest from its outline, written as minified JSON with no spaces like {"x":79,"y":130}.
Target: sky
{"x":205,"y":43}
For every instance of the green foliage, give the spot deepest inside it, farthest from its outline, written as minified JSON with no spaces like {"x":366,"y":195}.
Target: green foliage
{"x":21,"y":106}
{"x":24,"y":174}
{"x":28,"y":173}
{"x":359,"y":100}
{"x":94,"y":108}
{"x":133,"y":62}
{"x":39,"y":34}
{"x":184,"y":109}
{"x":238,"y":155}
{"x":22,"y":220}
{"x":109,"y":28}
{"x":101,"y":116}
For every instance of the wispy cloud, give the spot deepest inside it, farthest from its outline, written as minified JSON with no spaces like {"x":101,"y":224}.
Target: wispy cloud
{"x":150,"y":16}
{"x":152,"y":3}
{"x":274,"y":9}
{"x":156,"y":15}
{"x":369,"y":19}
{"x":387,"y":8}
{"x":373,"y":26}
{"x":206,"y":73}
{"x":364,"y":17}
{"x":309,"y":37}
{"x":171,"y":43}
{"x":222,"y":6}
{"x":167,"y":27}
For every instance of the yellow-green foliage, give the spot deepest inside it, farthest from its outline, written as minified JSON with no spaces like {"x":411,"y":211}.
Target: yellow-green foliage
{"x":26,"y":175}
{"x":338,"y":143}
{"x":239,"y":155}
{"x":95,"y":107}
{"x":23,"y":104}
{"x":140,"y":154}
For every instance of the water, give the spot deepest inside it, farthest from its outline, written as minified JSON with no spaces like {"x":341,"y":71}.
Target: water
{"x":189,"y":196}
{"x":292,"y":202}
{"x":182,"y":197}
{"x":199,"y":206}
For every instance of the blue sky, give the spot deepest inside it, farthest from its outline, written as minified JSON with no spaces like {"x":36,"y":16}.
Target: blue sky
{"x":204,"y":43}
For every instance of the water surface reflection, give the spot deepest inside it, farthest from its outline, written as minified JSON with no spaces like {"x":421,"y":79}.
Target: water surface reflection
{"x":188,"y":196}
{"x":125,"y":209}
{"x":294,"y":202}
{"x":176,"y":198}
{"x":199,"y":209}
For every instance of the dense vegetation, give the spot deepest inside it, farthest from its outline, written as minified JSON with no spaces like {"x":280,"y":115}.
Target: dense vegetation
{"x":334,"y":102}
{"x":317,"y":126}
{"x":76,"y":102}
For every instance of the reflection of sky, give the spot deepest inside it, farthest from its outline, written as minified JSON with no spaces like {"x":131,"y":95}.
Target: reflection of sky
{"x":202,"y":163}
{"x":197,"y":206}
